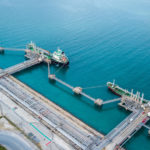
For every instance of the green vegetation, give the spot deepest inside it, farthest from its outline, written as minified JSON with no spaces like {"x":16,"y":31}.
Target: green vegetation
{"x":13,"y":124}
{"x":2,"y":147}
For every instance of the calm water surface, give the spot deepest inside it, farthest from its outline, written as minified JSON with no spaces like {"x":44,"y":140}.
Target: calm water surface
{"x":104,"y":40}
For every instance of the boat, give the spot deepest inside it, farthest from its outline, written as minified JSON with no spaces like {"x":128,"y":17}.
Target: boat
{"x":57,"y":56}
{"x":37,"y":50}
{"x":117,"y":90}
{"x":123,"y":92}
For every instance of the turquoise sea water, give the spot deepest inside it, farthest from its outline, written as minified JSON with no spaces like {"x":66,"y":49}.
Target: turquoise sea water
{"x":104,"y":40}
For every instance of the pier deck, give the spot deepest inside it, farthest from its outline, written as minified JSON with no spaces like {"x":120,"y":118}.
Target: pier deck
{"x":123,"y":131}
{"x":20,"y":67}
{"x":128,"y":127}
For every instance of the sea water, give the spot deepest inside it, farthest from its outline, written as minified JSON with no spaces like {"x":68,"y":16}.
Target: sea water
{"x":104,"y":40}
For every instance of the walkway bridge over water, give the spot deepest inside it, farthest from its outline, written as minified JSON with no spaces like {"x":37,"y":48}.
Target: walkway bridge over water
{"x":20,"y":66}
{"x":78,"y":90}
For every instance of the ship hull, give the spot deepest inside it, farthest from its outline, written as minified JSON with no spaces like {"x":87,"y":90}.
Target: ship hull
{"x":60,"y":63}
{"x":112,"y":90}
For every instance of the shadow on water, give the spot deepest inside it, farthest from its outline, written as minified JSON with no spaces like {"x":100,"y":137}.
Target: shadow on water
{"x":52,"y":81}
{"x":143,"y":131}
{"x":98,"y":108}
{"x":59,"y":69}
{"x":43,"y":66}
{"x":2,"y":53}
{"x":28,"y":70}
{"x":112,"y":106}
{"x":72,"y":94}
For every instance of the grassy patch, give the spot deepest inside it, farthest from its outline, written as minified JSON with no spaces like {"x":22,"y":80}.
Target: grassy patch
{"x":12,"y":124}
{"x":2,"y":147}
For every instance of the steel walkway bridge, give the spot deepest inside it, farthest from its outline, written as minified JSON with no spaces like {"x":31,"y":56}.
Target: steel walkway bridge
{"x":146,"y":126}
{"x":20,"y":67}
{"x":78,"y":90}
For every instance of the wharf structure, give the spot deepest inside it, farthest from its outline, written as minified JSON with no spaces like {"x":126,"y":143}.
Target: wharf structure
{"x":129,"y":126}
{"x":65,"y":125}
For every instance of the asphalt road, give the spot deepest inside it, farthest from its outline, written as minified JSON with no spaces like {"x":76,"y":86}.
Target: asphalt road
{"x":13,"y":141}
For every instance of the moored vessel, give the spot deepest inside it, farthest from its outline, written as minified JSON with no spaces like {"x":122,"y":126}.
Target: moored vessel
{"x":118,"y":90}
{"x":57,"y":56}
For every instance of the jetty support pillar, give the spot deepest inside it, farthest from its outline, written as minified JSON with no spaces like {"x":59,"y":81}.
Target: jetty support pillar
{"x":98,"y":102}
{"x":51,"y":76}
{"x":1,"y":50}
{"x":77,"y":90}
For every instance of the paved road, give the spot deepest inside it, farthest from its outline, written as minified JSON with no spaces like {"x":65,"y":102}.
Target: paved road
{"x":13,"y":141}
